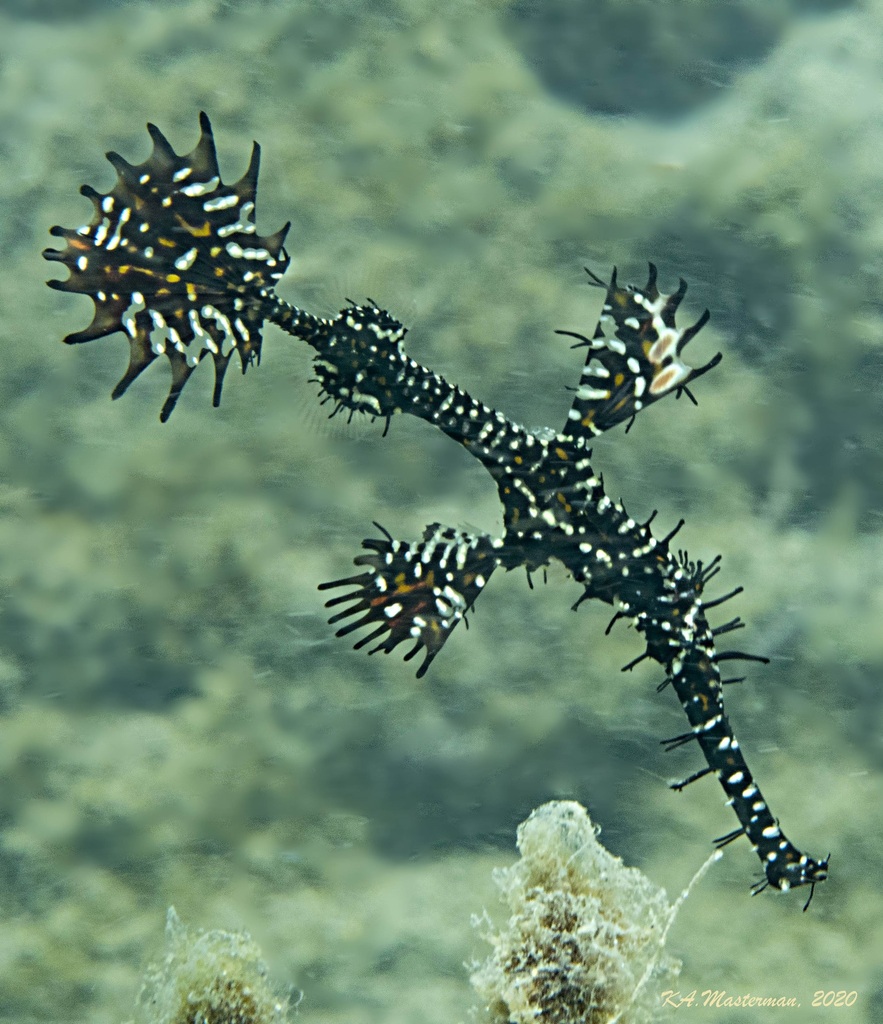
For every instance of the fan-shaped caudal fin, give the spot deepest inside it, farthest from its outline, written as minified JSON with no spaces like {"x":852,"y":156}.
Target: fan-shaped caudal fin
{"x":634,"y":355}
{"x":415,"y":592}
{"x":171,"y":258}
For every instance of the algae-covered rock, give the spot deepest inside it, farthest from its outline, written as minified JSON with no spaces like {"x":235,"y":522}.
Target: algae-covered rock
{"x":212,"y":977}
{"x":586,"y":940}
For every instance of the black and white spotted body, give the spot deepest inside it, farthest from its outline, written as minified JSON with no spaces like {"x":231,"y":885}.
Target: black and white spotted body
{"x":173,"y":261}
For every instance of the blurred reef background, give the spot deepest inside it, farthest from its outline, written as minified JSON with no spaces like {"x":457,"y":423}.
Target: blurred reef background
{"x":178,"y":724}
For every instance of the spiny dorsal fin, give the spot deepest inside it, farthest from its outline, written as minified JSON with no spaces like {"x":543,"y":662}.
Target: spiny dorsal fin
{"x":634,"y":355}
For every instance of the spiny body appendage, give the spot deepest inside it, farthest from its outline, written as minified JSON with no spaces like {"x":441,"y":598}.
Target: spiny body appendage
{"x":173,"y":260}
{"x":635,"y":354}
{"x":679,"y":637}
{"x":417,"y":592}
{"x":359,"y":360}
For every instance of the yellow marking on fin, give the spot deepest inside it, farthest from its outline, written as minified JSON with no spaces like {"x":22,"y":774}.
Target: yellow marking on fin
{"x":403,"y":587}
{"x":203,"y":231}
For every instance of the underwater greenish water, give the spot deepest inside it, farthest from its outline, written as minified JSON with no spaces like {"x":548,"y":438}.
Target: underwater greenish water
{"x":178,"y":725}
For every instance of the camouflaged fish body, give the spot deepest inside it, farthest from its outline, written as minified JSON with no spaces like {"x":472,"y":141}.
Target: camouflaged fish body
{"x":172,"y":259}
